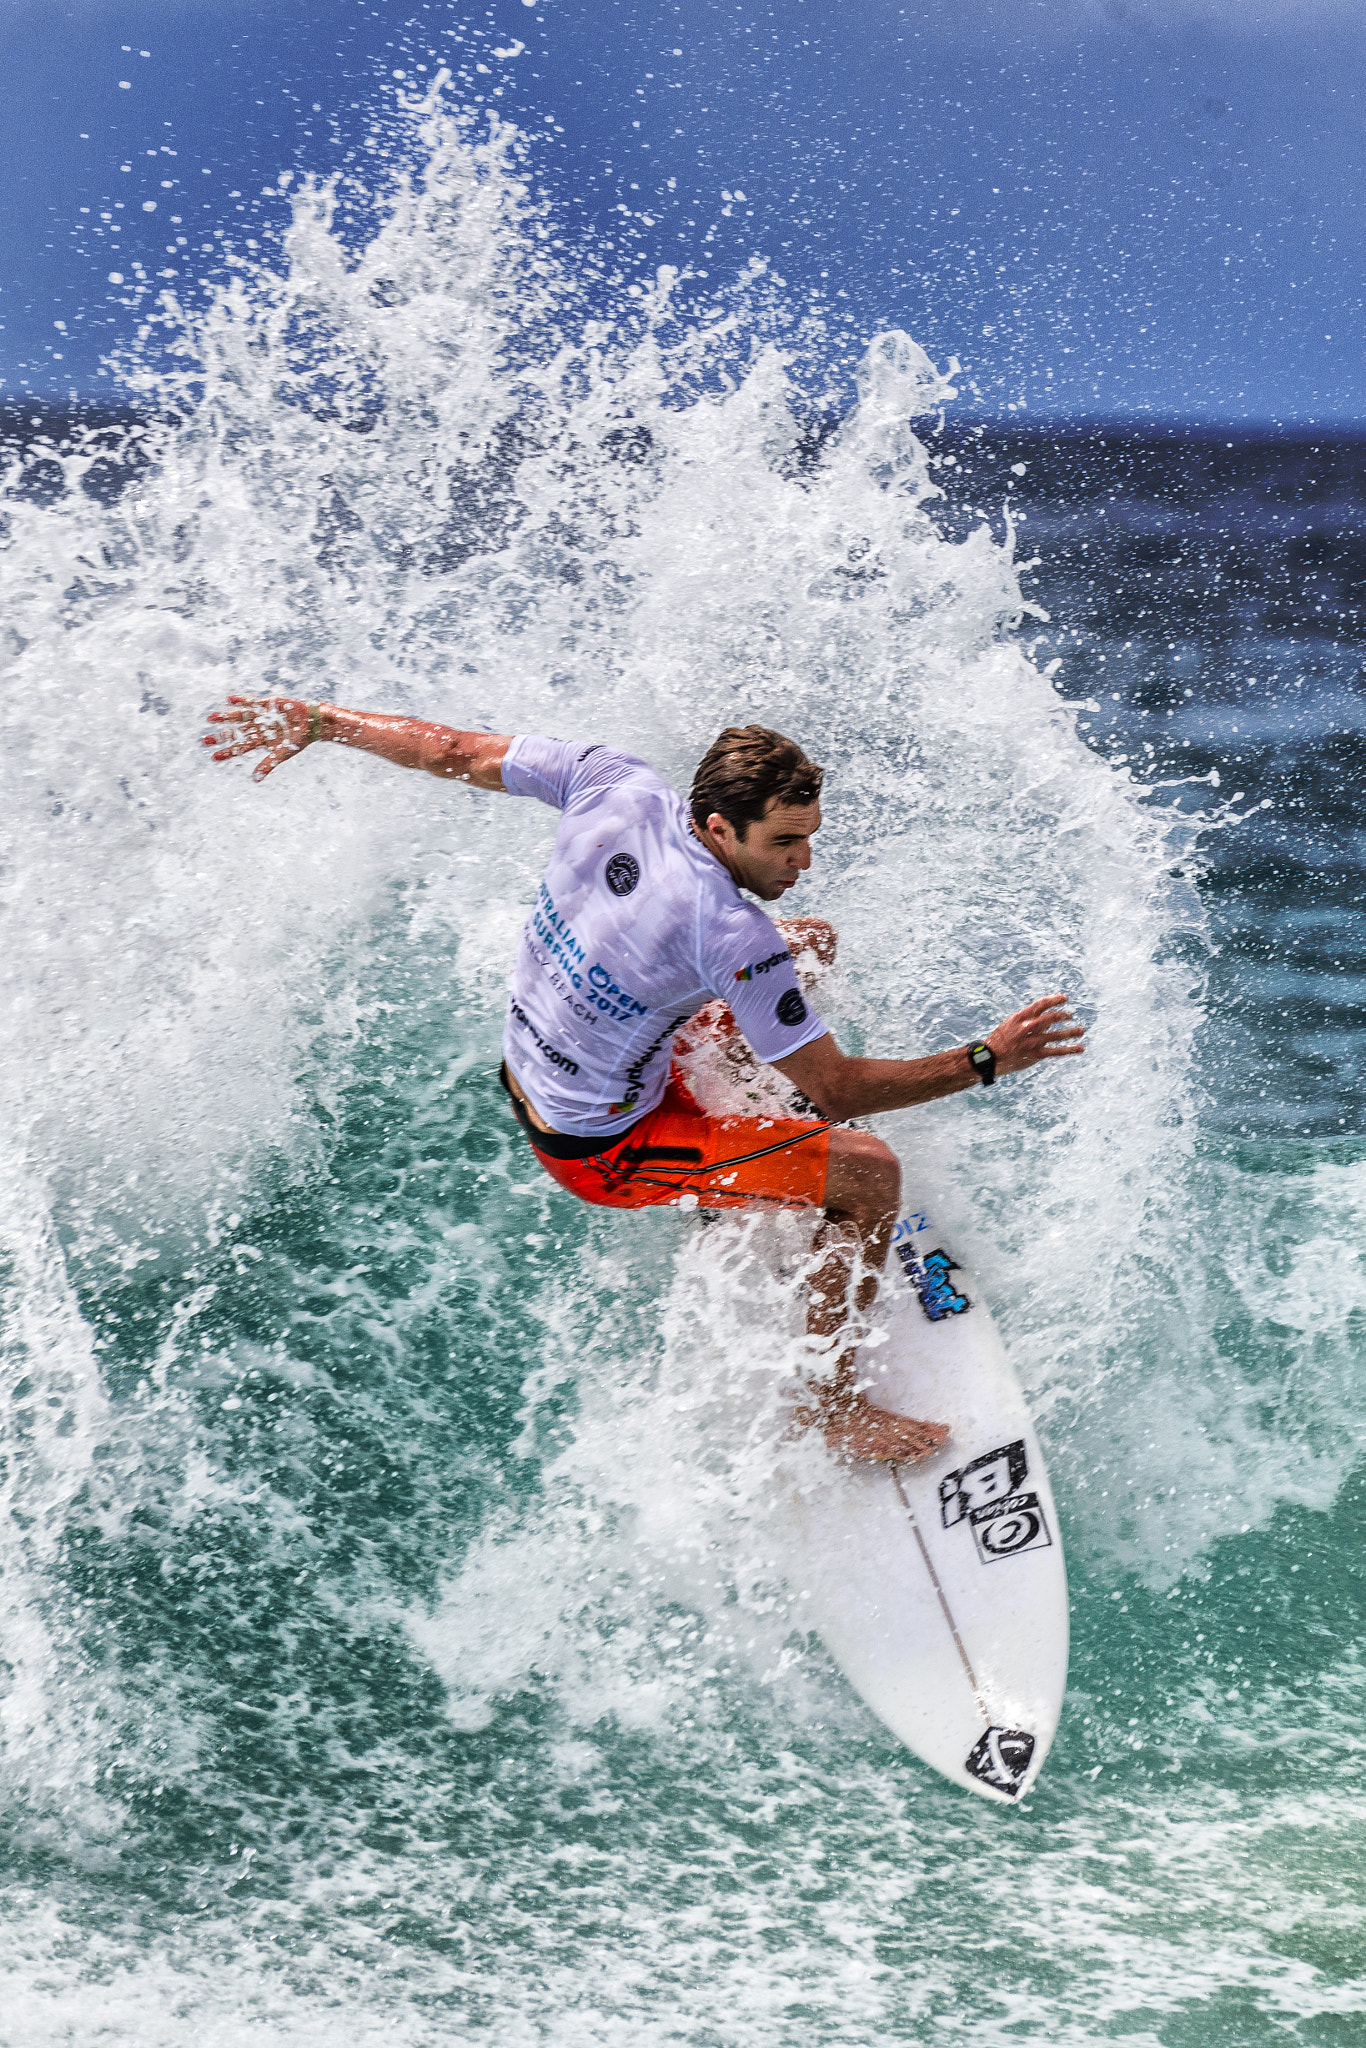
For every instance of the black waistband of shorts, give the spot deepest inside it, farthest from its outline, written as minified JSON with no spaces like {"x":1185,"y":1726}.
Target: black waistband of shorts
{"x":553,"y":1143}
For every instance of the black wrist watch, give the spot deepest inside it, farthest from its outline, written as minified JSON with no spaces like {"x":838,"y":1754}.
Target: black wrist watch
{"x":983,"y":1062}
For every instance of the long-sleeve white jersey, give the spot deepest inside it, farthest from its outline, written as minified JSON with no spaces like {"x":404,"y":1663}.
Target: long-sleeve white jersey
{"x":634,"y":927}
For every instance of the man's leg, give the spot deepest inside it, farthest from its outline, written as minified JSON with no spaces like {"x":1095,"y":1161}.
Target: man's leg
{"x":862,"y":1195}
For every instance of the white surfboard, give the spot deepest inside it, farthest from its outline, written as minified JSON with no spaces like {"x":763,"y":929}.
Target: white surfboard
{"x":940,"y":1588}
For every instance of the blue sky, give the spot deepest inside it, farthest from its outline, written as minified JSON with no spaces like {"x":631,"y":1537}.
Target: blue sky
{"x":1132,"y":207}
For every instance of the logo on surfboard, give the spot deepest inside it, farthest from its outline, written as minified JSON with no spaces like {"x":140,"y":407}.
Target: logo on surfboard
{"x":986,"y":1495}
{"x":930,"y":1278}
{"x":1010,"y":1527}
{"x":1001,"y":1759}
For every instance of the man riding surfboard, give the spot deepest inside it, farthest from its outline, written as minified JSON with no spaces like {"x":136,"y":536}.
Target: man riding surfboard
{"x":638,"y":923}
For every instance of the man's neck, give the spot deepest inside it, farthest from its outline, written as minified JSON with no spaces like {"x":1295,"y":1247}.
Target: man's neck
{"x":705,"y":840}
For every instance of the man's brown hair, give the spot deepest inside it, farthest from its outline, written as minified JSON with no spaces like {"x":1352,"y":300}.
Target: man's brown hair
{"x":744,"y":770}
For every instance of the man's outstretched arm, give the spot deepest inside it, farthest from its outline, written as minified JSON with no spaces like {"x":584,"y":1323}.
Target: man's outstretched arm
{"x":843,"y":1087}
{"x":280,"y":727}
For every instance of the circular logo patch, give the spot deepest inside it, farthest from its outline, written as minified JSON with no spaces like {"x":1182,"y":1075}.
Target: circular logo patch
{"x":791,"y":1009}
{"x":622,"y":874}
{"x":1010,"y":1532}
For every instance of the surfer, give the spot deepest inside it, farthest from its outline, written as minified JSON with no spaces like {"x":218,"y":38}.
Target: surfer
{"x":639,"y":922}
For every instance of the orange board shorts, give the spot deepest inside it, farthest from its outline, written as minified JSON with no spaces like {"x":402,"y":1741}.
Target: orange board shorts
{"x":679,"y":1153}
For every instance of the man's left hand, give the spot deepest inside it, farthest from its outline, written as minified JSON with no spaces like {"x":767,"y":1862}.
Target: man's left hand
{"x":1045,"y":1030}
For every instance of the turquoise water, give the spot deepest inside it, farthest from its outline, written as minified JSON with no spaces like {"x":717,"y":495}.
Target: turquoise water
{"x":395,"y":1642}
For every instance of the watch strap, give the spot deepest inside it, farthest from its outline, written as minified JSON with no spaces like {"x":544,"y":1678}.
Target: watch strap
{"x":983,"y":1061}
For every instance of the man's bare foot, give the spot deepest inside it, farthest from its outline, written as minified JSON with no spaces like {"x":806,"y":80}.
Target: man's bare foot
{"x":859,"y":1430}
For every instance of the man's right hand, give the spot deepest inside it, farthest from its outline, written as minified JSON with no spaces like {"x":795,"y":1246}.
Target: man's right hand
{"x":284,"y":726}
{"x":280,"y":725}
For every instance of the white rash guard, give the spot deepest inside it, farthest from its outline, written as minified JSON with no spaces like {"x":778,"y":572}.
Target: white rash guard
{"x":635,"y":927}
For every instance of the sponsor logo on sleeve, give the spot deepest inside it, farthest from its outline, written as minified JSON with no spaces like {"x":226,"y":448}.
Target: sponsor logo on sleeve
{"x":789,"y":1008}
{"x":758,"y":967}
{"x":622,"y":873}
{"x":986,"y":1495}
{"x":1001,"y":1759}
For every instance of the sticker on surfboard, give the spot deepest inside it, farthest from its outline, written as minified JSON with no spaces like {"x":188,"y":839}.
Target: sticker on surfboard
{"x":986,"y":1494}
{"x":1010,"y":1528}
{"x":929,"y":1272}
{"x":1001,"y":1759}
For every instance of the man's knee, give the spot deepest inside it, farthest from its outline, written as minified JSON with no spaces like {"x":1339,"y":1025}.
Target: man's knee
{"x":882,"y":1168}
{"x":864,"y":1178}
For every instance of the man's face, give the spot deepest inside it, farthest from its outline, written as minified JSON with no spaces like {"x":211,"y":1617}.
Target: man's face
{"x":773,"y":853}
